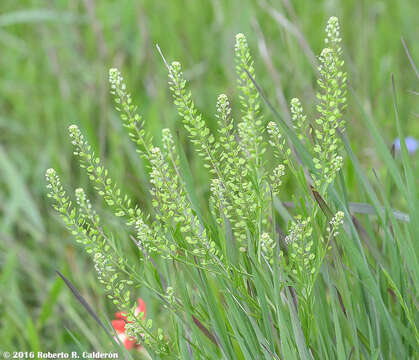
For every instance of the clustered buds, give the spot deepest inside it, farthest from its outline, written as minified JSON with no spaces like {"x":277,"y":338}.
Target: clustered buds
{"x":251,"y":127}
{"x":128,"y":112}
{"x":332,"y":98}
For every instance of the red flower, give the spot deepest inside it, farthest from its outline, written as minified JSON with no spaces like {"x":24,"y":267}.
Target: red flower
{"x":120,"y":322}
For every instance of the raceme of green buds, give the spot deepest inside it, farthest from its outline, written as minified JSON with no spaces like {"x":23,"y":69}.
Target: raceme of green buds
{"x":230,"y":156}
{"x":300,"y":244}
{"x":332,"y":96}
{"x":199,"y":133}
{"x":251,"y":127}
{"x":99,"y":176}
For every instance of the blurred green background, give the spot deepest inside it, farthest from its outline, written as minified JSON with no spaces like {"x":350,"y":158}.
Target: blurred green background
{"x":54,"y":62}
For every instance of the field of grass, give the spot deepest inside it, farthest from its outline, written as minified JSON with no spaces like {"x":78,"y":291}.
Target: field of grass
{"x":54,"y":72}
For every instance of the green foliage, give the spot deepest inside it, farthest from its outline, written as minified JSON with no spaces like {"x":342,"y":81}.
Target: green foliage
{"x":52,"y":75}
{"x":232,"y":286}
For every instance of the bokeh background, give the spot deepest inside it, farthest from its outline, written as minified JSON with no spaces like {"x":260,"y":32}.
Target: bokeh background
{"x":54,"y":62}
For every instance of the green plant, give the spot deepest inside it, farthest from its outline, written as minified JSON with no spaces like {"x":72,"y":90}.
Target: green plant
{"x":231,"y":285}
